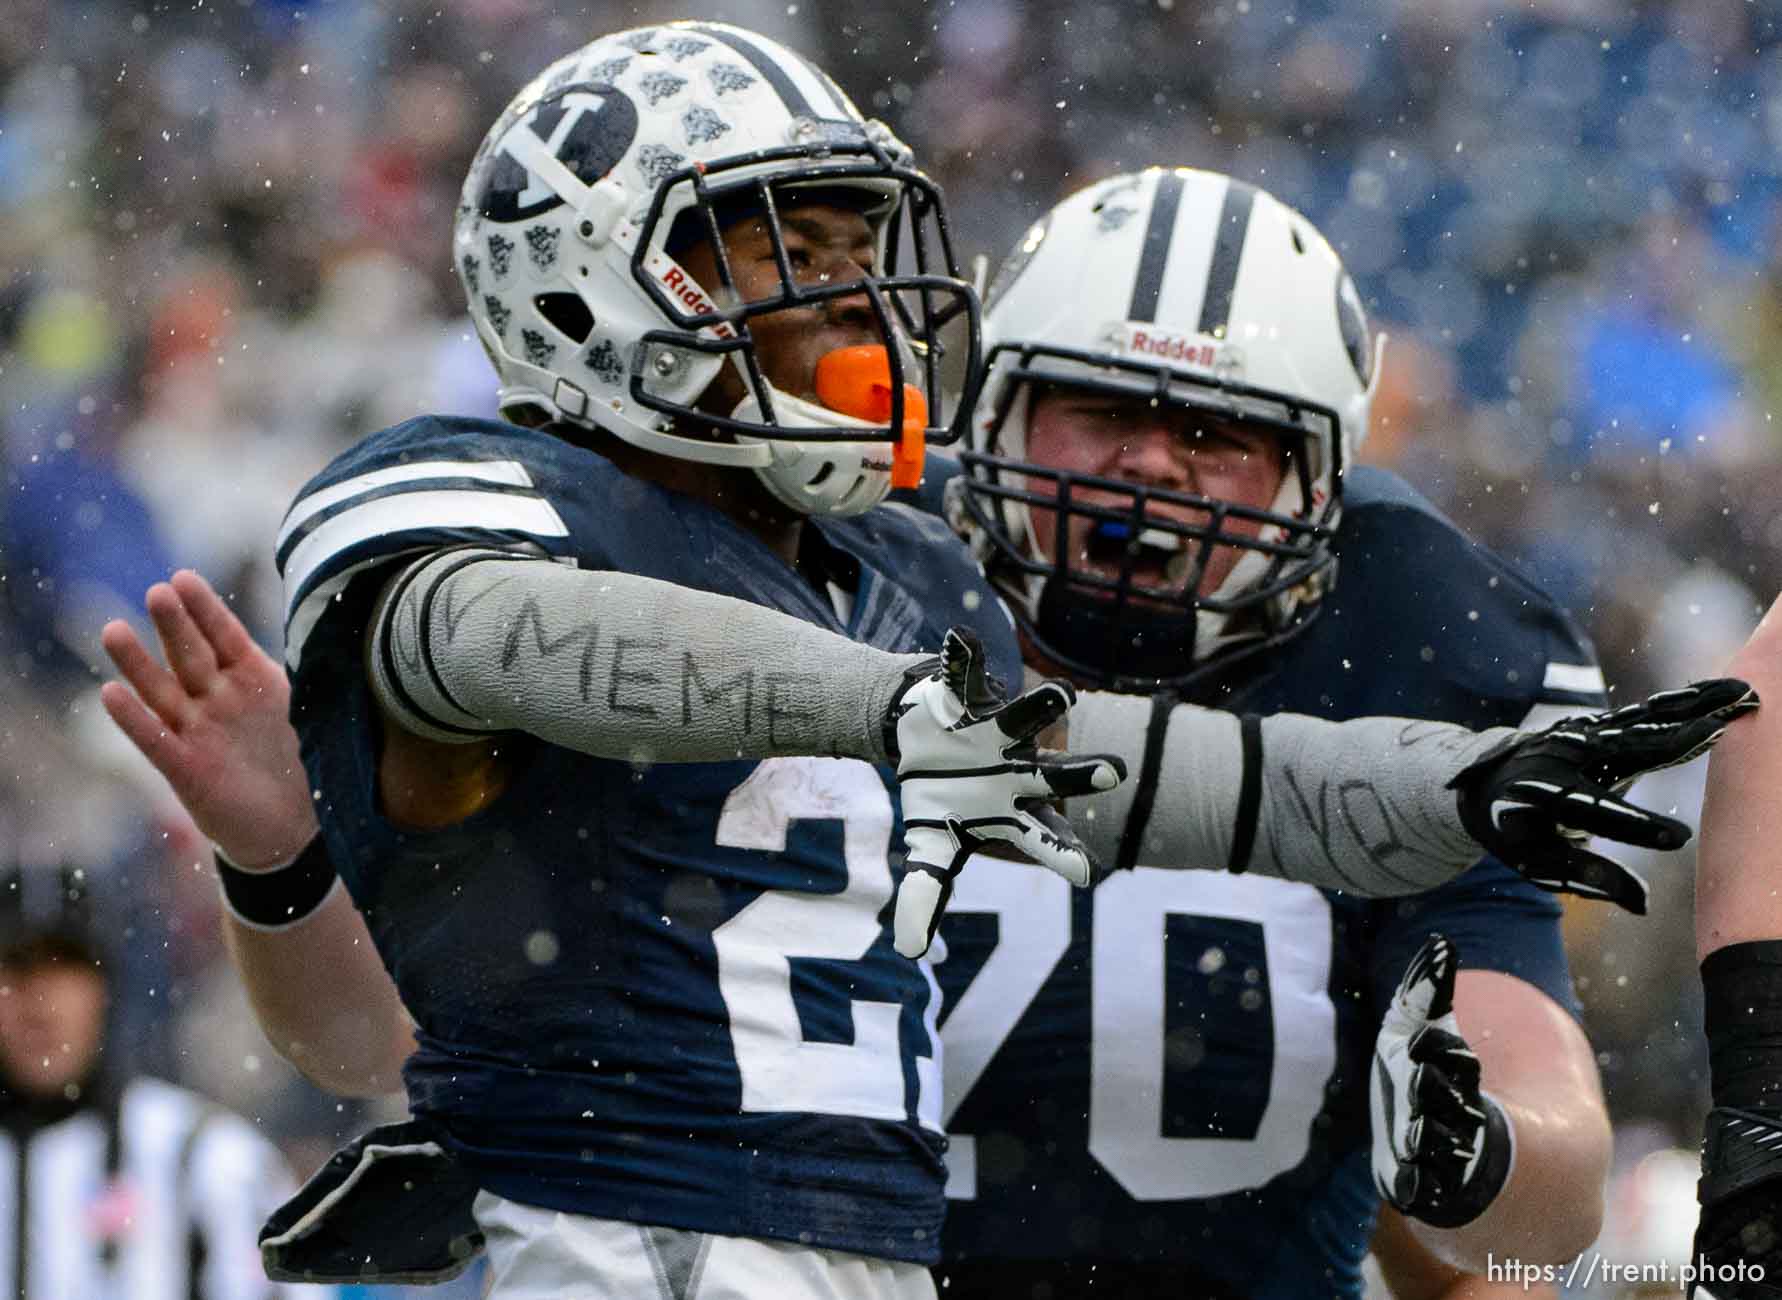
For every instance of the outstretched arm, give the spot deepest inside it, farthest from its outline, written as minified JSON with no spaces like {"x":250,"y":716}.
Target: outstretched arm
{"x":1535,"y":1060}
{"x":1382,"y":807}
{"x":470,"y":643}
{"x":1738,"y":935}
{"x":213,"y":722}
{"x":1736,"y":896}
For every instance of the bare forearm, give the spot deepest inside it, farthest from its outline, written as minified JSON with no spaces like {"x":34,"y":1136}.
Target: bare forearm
{"x":1741,"y":834}
{"x":1550,"y":1209}
{"x":324,"y":999}
{"x":214,"y":724}
{"x":1412,"y":1273}
{"x":1538,"y":1066}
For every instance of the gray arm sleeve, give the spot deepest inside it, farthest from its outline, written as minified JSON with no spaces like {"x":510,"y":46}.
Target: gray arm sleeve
{"x":466,"y":643}
{"x":1361,"y":806}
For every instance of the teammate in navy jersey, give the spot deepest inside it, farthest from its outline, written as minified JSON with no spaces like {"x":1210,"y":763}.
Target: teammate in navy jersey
{"x":1162,"y":1087}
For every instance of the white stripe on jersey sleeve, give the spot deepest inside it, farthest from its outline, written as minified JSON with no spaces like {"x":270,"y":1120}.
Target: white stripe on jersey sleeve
{"x":1579,"y":679}
{"x":509,"y":472}
{"x":309,"y":613}
{"x":1546,"y":713}
{"x":388,"y":516}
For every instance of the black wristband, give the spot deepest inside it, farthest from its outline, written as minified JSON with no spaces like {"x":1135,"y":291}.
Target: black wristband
{"x":282,"y":897}
{"x":1742,"y":1014}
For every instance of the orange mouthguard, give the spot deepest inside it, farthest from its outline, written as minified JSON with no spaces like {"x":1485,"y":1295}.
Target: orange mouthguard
{"x":856,"y":381}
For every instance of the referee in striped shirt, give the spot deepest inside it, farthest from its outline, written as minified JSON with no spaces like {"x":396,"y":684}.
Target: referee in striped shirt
{"x":111,"y":1187}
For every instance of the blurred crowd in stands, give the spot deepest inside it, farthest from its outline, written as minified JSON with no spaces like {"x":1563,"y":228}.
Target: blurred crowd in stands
{"x":224,"y":232}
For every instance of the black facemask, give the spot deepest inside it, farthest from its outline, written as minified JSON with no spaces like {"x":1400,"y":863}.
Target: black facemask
{"x":1115,"y":641}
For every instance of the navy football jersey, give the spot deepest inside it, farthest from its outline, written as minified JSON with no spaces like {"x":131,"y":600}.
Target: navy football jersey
{"x":664,"y":994}
{"x":1172,"y":1071}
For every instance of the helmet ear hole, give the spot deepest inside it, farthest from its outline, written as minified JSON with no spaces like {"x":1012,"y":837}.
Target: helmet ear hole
{"x":567,"y":314}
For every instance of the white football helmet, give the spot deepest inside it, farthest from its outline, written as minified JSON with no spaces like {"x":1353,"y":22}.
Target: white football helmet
{"x":1188,"y":288}
{"x":563,"y":236}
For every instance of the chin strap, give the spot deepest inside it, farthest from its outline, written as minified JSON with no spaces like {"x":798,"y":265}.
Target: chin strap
{"x":817,"y":478}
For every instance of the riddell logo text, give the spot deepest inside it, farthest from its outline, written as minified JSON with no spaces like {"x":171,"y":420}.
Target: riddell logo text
{"x":693,"y":299}
{"x":1172,"y":347}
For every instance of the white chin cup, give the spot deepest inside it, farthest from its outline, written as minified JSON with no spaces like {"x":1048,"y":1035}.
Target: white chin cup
{"x":818,"y":478}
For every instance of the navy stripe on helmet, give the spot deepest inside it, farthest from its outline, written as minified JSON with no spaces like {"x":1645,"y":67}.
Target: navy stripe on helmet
{"x":843,"y":109}
{"x":1228,"y":249}
{"x":1147,"y":284}
{"x":790,"y":95}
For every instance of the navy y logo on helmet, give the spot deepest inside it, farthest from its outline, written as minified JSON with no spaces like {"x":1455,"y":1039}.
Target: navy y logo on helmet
{"x":587,"y":127}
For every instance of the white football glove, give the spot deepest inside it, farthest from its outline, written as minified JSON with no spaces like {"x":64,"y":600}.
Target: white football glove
{"x":1442,"y":1148}
{"x":970,"y":773}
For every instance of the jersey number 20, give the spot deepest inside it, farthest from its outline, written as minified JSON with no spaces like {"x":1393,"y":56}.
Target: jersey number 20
{"x":1126,"y":1136}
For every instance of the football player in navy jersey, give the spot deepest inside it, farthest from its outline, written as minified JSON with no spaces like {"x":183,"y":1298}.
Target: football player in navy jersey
{"x":602,"y":702}
{"x":694,"y":1043}
{"x":1162,"y":1086}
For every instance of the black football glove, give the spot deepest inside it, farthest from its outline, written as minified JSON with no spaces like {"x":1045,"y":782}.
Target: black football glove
{"x":1738,"y":1241}
{"x":1442,"y":1148}
{"x":1535,"y":801}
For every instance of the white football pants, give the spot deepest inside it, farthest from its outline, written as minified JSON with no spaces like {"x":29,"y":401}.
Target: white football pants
{"x":538,"y":1254}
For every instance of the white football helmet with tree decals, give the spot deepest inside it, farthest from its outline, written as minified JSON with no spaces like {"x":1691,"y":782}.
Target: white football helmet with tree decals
{"x":1191,"y":289}
{"x":646,"y":137}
